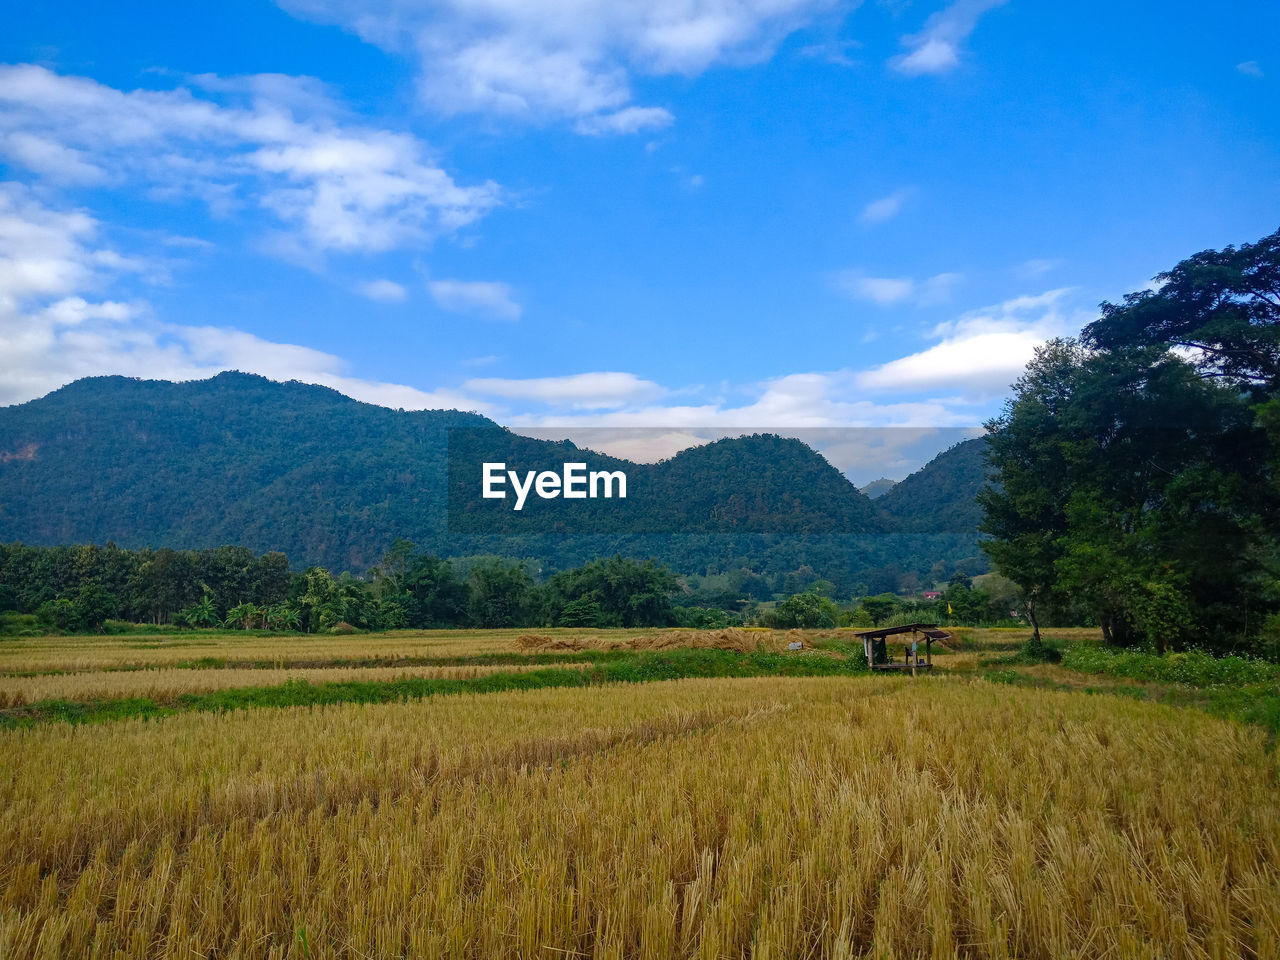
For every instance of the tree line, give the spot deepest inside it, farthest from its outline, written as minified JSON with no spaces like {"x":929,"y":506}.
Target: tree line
{"x":1134,"y":470}
{"x":80,"y":588}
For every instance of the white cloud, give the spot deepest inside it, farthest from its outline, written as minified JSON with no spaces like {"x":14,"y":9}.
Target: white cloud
{"x":982,"y":352}
{"x":274,"y":144}
{"x":579,"y":391}
{"x":888,"y":291}
{"x":936,"y":48}
{"x":1250,"y":68}
{"x":55,"y":328}
{"x":543,"y":60}
{"x":54,"y":161}
{"x":487,"y":298}
{"x":833,"y":51}
{"x":385,"y":291}
{"x":881,"y":290}
{"x":626,"y":120}
{"x":1037,"y":267}
{"x":886,"y":208}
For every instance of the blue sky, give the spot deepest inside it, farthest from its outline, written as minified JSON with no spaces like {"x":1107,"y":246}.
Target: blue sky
{"x":674,"y":217}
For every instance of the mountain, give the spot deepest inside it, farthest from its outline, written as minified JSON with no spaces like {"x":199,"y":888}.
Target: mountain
{"x":239,"y":459}
{"x":877,"y":488}
{"x":939,"y":497}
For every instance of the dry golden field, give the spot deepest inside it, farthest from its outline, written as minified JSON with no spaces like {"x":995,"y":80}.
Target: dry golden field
{"x":164,"y":684}
{"x":44,"y":654}
{"x":785,"y":818}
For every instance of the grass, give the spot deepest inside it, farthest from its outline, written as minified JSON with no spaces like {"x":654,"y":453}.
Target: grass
{"x":1157,"y":679}
{"x":1194,"y":668}
{"x":830,"y":817}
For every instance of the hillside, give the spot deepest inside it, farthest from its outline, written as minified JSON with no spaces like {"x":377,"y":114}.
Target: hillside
{"x":326,"y":479}
{"x":939,"y":497}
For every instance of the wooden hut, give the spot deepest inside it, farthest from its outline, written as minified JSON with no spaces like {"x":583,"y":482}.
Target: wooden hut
{"x":875,"y":643}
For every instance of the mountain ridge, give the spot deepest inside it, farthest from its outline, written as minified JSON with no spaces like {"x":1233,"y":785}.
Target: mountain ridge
{"x":302,"y":468}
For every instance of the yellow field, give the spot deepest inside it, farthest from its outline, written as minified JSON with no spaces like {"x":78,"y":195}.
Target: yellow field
{"x":96,"y":653}
{"x":770,"y":818}
{"x":164,"y":684}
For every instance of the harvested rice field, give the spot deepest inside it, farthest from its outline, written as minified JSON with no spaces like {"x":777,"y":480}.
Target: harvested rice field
{"x":726,"y":816}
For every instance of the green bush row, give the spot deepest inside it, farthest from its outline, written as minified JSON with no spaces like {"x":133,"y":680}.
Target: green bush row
{"x":1194,"y":668}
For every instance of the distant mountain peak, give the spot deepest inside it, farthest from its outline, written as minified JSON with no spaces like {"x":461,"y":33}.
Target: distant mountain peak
{"x":878,"y":488}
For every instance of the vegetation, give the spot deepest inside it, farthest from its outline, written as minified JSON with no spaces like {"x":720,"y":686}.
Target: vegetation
{"x":240,"y":459}
{"x":1137,"y":483}
{"x":1194,"y":668}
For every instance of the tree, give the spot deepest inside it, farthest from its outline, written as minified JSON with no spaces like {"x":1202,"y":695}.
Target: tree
{"x":1023,"y":506}
{"x":245,"y":616}
{"x":94,"y":606}
{"x":498,"y":594}
{"x":433,"y":595}
{"x":582,"y":612}
{"x":805,"y":611}
{"x":1221,"y":305}
{"x":626,"y":592}
{"x":1129,"y":480}
{"x":318,"y":599}
{"x":202,"y":613}
{"x":880,"y":607}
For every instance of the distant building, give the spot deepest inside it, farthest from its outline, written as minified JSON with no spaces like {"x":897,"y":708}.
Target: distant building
{"x":932,"y":594}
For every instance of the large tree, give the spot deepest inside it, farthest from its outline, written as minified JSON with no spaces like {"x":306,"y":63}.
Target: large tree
{"x":1132,"y":469}
{"x":1223,"y":306}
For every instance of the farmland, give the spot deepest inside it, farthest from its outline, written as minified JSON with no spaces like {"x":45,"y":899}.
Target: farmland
{"x":762,"y":815}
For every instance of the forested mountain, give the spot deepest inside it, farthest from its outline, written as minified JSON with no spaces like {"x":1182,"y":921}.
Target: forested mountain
{"x":939,"y":497}
{"x":239,"y":459}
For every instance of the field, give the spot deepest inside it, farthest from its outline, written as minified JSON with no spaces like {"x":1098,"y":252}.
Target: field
{"x":726,"y":816}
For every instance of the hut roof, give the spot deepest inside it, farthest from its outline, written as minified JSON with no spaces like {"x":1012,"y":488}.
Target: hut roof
{"x":930,"y":631}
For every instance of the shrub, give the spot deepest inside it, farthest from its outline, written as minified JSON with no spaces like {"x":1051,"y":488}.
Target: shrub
{"x":1194,"y":668}
{"x":1036,"y":650}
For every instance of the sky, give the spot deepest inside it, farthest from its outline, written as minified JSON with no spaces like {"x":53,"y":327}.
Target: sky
{"x":643,"y":223}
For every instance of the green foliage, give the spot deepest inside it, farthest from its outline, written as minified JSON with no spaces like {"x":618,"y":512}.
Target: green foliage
{"x":940,"y":497}
{"x":1224,"y":305}
{"x":1139,"y":483}
{"x":1194,"y":667}
{"x":880,"y":608}
{"x":500,"y":594}
{"x":332,"y":482}
{"x":705,"y":618}
{"x":617,"y":592}
{"x":1036,"y":650}
{"x":805,"y":611}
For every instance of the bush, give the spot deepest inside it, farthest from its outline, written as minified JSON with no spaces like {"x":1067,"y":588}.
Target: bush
{"x":804,"y":611}
{"x":1036,"y":650}
{"x":1194,"y":668}
{"x":342,"y":628}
